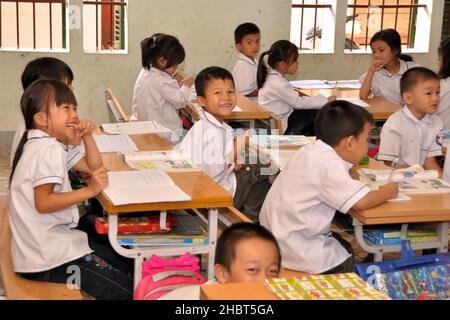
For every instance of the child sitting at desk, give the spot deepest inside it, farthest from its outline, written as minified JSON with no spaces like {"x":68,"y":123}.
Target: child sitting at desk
{"x":388,"y":65}
{"x":245,"y":252}
{"x":158,"y":92}
{"x":411,"y":135}
{"x":210,"y":143}
{"x":316,"y":183}
{"x":247,"y":41}
{"x":277,"y":94}
{"x":45,"y":245}
{"x":444,"y":73}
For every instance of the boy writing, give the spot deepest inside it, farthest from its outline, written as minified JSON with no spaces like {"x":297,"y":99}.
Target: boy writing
{"x":210,"y":143}
{"x":316,"y":183}
{"x":411,"y":134}
{"x":247,"y":41}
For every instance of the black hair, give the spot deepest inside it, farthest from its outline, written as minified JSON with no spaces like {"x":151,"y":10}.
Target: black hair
{"x":229,"y":239}
{"x":244,"y":29}
{"x":161,"y":45}
{"x":392,"y":38}
{"x":444,"y":51}
{"x":340,"y":119}
{"x":46,"y":67}
{"x":410,"y":78}
{"x":281,"y":50}
{"x":202,"y":79}
{"x":38,"y":97}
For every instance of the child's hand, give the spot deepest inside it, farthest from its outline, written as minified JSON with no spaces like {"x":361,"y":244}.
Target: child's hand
{"x":188,"y":82}
{"x":391,"y":189}
{"x":377,"y":65}
{"x":86,"y":127}
{"x":98,"y":181}
{"x":331,"y":98}
{"x":179,"y":77}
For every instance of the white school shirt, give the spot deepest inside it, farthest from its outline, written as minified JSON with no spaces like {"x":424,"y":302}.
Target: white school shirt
{"x":157,"y":96}
{"x":279,"y":97}
{"x":386,"y":85}
{"x":42,"y":242}
{"x":444,"y":104}
{"x":409,"y":139}
{"x":244,"y":74}
{"x":301,"y":204}
{"x":74,"y":151}
{"x":208,"y":143}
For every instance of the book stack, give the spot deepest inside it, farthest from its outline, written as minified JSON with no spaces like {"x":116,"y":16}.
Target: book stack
{"x":391,"y":234}
{"x":341,"y":286}
{"x":134,"y":224}
{"x":187,"y":229}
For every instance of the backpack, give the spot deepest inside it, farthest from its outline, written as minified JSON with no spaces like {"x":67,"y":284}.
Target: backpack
{"x":160,"y":276}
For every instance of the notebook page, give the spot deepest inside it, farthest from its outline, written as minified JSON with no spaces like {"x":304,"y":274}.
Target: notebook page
{"x":113,"y":143}
{"x":134,"y":127}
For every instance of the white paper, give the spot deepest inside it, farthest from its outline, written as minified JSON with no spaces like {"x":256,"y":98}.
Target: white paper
{"x":130,"y":187}
{"x":356,"y":101}
{"x":279,"y":157}
{"x":134,"y":127}
{"x":237,"y":109}
{"x":348,"y":84}
{"x":312,"y":84}
{"x":113,"y":143}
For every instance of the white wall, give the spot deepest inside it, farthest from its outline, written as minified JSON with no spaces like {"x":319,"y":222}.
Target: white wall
{"x":205,"y":28}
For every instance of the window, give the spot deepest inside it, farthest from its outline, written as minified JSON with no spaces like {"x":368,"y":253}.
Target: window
{"x":312,"y":25}
{"x":446,"y":21}
{"x":34,"y":25}
{"x":365,"y":17}
{"x":105,"y":26}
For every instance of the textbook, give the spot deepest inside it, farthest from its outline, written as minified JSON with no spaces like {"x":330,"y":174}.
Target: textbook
{"x":278,"y":157}
{"x":373,"y":238}
{"x":116,"y":143}
{"x":340,"y":286}
{"x":134,"y":127}
{"x":277,"y":141}
{"x":166,"y":160}
{"x":147,"y":186}
{"x":187,"y":229}
{"x":411,"y":180}
{"x":134,"y":224}
{"x":312,"y":84}
{"x":356,"y":101}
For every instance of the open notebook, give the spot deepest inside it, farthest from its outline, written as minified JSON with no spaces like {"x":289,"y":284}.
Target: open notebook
{"x":148,"y":186}
{"x":166,"y":160}
{"x":134,"y":127}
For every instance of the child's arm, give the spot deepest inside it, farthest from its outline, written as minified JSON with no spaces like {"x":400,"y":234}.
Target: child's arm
{"x":48,"y":201}
{"x":92,"y":160}
{"x":431,"y":164}
{"x":367,"y":83}
{"x":374,"y":198}
{"x":254,"y":93}
{"x":397,"y":166}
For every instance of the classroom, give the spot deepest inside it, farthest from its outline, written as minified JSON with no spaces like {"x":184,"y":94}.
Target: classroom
{"x":199,"y":172}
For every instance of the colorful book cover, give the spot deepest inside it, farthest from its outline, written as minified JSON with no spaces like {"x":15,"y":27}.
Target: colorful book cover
{"x":343,"y":286}
{"x":134,"y":224}
{"x":426,"y":283}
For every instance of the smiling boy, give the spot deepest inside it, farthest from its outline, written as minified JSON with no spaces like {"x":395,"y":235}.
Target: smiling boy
{"x":412,"y":133}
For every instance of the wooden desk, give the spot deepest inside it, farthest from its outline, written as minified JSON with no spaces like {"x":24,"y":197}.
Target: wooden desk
{"x":205,"y":193}
{"x":421,"y":208}
{"x":251,"y":110}
{"x":380,"y":108}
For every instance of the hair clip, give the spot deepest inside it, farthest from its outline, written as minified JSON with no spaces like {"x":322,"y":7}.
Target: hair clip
{"x":154,"y":42}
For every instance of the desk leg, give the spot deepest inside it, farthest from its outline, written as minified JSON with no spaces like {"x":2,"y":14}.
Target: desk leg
{"x":442,"y":234}
{"x":376,"y":250}
{"x":213,"y":214}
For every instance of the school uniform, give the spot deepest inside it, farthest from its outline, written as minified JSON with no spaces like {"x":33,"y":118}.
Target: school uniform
{"x":158,"y":97}
{"x":210,"y":145}
{"x":244,"y":74}
{"x":301,"y":204}
{"x":43,"y":241}
{"x":410,"y":140}
{"x":74,"y":153}
{"x":386,"y":85}
{"x":279,"y":97}
{"x":444,"y":104}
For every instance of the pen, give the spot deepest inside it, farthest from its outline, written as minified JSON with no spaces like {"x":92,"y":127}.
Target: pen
{"x":394,"y":164}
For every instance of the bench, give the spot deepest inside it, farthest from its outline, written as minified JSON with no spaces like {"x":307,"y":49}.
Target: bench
{"x":17,"y":287}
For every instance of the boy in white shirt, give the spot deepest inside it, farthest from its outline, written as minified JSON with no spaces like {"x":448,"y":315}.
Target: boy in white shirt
{"x":211,"y":145}
{"x":247,"y":39}
{"x":411,"y":134}
{"x":316,"y":183}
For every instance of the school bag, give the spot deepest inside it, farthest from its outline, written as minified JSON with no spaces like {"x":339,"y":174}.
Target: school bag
{"x":160,"y":276}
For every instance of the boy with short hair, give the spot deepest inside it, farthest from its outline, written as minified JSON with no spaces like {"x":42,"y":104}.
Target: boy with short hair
{"x":210,"y":143}
{"x":411,"y":134}
{"x":316,"y":183}
{"x":247,"y":38}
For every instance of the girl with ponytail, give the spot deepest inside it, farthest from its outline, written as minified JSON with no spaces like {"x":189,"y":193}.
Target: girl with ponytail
{"x":278,"y":95}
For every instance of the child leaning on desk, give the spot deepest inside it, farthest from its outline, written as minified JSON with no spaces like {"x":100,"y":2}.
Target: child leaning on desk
{"x":210,"y":144}
{"x":43,"y":210}
{"x":316,"y":183}
{"x":412,"y":135}
{"x":247,"y":39}
{"x":245,"y":252}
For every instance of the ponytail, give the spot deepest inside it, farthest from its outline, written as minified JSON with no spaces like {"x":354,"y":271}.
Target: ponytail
{"x":18,"y":154}
{"x":261,"y":75}
{"x":147,"y":46}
